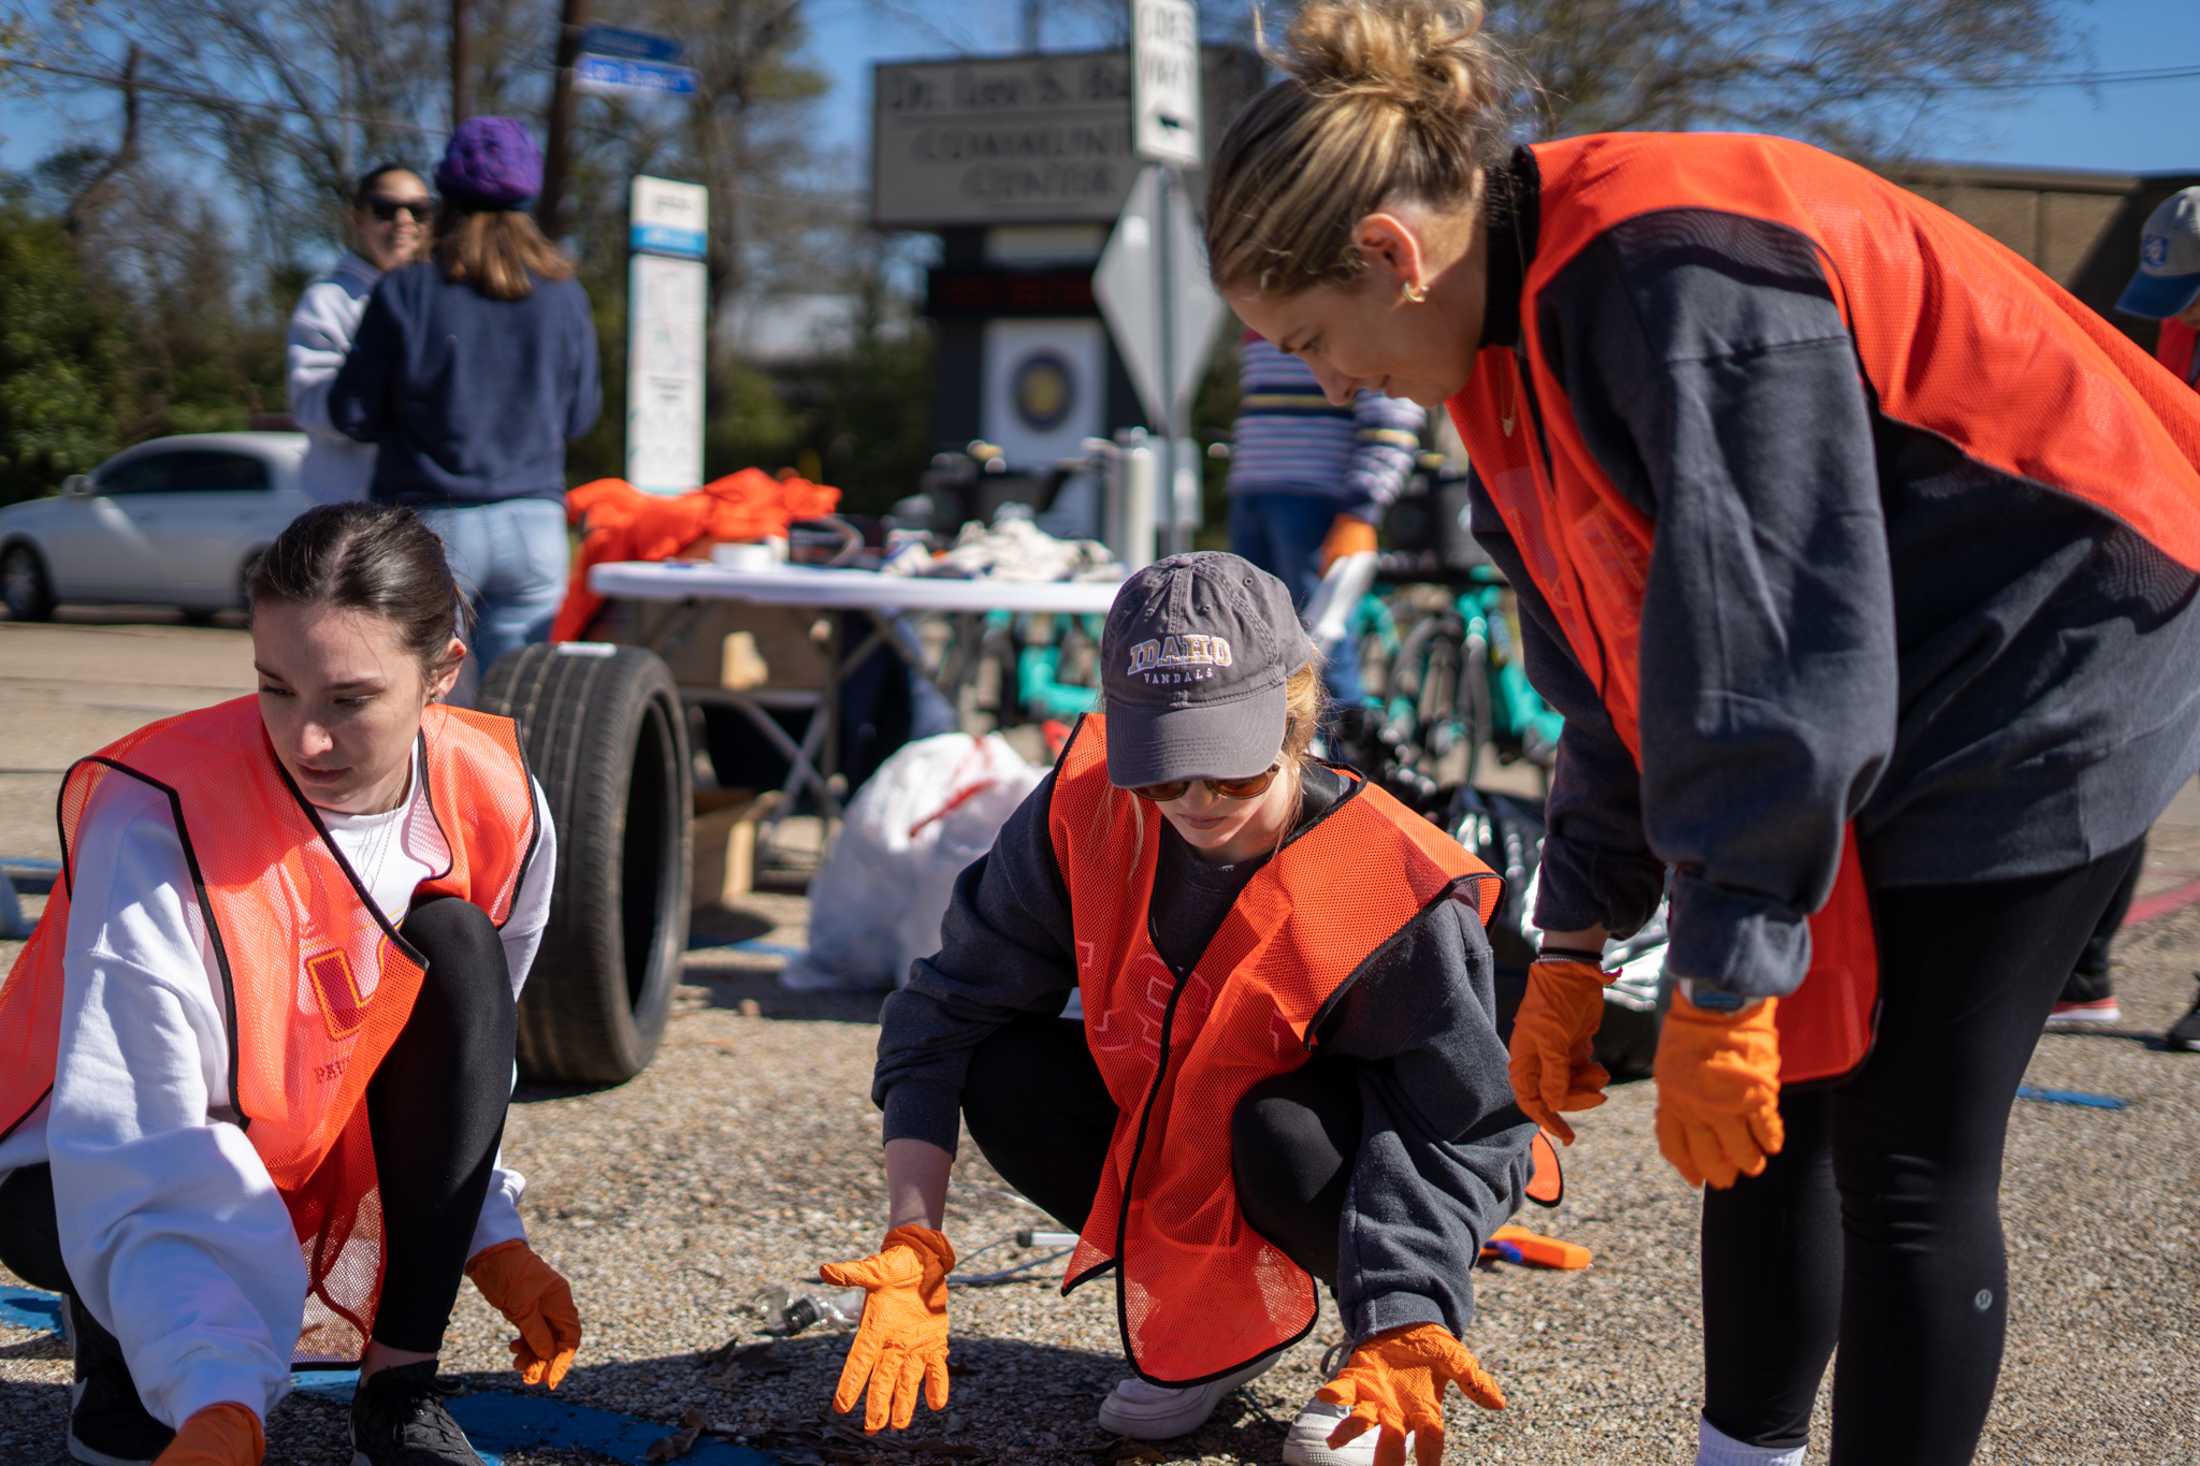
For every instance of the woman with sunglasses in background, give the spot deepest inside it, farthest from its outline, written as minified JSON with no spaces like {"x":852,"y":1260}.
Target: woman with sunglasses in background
{"x":391,"y":211}
{"x":1287,"y":1069}
{"x":472,"y":372}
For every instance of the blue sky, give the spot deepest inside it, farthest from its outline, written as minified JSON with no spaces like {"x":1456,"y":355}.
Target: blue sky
{"x":2140,"y":127}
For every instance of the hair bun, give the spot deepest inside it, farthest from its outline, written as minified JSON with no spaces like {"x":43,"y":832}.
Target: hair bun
{"x":1427,"y":57}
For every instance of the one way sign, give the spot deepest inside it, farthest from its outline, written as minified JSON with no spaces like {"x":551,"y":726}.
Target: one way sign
{"x":1165,"y":81}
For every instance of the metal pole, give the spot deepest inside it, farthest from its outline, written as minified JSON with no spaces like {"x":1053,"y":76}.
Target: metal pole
{"x":557,"y":160}
{"x":1165,"y":267}
{"x":461,"y":63}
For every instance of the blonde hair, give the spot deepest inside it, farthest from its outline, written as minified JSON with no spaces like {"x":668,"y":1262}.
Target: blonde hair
{"x":1381,"y":101}
{"x":499,"y":252}
{"x":1304,"y":701}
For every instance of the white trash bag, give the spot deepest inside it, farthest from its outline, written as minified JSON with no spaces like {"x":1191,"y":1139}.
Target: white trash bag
{"x":930,"y":810}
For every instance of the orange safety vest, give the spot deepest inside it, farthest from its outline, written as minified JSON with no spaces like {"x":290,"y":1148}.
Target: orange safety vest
{"x":1956,"y":336}
{"x":1199,"y":1293}
{"x":316,"y":983}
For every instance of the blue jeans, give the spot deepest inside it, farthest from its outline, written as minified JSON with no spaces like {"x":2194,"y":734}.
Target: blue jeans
{"x":510,"y":557}
{"x":1283,"y":534}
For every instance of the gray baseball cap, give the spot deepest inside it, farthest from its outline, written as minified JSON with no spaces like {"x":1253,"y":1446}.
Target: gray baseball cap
{"x":2168,"y":278}
{"x":1192,"y":666}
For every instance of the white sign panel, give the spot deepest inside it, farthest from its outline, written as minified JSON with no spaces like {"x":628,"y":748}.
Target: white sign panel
{"x":1165,"y":81}
{"x":667,"y":311}
{"x":668,"y":217}
{"x":1022,"y":139}
{"x":1045,"y":388}
{"x":1138,"y":290}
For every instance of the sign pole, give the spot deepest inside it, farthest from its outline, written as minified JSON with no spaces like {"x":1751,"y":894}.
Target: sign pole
{"x":1172,"y":526}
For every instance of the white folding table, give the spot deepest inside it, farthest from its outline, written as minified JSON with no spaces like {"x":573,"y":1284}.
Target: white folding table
{"x":687,"y":585}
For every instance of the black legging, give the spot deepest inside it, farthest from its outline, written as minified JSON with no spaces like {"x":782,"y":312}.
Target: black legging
{"x":1036,"y":1107}
{"x":1878,"y":1226}
{"x":436,"y":1107}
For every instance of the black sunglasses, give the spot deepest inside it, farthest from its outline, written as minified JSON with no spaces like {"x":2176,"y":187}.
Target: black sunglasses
{"x":1246,"y":788}
{"x":387,"y":209}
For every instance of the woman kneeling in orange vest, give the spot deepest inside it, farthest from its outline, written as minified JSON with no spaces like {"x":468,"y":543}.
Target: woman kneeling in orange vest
{"x":255,"y":1058}
{"x":1287,"y":1071}
{"x":1860,"y":558}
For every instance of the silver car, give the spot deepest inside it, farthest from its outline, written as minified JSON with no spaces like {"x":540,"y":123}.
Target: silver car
{"x":173,"y":522}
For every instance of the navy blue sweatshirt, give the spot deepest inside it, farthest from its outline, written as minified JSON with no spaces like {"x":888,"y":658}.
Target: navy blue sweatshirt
{"x":469,"y":399}
{"x":1846,"y":620}
{"x":1443,"y":1155}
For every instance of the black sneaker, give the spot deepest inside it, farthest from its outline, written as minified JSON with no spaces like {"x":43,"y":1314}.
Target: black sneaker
{"x":108,"y":1424}
{"x":2185,"y":1032}
{"x":398,"y":1419}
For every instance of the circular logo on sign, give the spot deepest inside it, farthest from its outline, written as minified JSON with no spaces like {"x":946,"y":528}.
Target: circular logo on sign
{"x":1043,"y":390}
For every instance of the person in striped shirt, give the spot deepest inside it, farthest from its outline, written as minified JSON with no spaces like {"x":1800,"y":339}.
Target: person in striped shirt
{"x":1310,"y":478}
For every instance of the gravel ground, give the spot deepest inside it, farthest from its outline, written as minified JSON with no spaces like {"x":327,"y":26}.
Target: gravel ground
{"x":748,"y":1153}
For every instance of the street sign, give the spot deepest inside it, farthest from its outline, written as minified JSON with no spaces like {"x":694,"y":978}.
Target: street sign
{"x":616,"y":40}
{"x":1165,"y":81}
{"x":608,"y":75}
{"x":1152,"y":287}
{"x":668,"y":312}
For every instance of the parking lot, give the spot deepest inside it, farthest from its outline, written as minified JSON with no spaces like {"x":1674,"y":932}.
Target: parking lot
{"x":748,"y":1153}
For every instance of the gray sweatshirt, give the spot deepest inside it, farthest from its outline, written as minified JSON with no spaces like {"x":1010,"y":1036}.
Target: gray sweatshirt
{"x":1846,"y":619}
{"x":1443,"y":1158}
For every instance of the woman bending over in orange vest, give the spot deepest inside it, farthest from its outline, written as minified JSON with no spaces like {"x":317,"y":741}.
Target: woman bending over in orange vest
{"x":1286,"y":1074}
{"x":1861,"y":560}
{"x":255,"y":1058}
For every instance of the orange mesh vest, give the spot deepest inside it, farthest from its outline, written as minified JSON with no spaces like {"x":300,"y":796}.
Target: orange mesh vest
{"x":1199,"y":1293}
{"x":1956,"y":336}
{"x":315,"y":982}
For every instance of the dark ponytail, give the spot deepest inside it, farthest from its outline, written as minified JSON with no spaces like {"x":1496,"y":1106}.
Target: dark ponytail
{"x":376,"y":558}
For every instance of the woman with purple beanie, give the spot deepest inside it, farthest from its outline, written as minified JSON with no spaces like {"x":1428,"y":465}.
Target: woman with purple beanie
{"x":472,"y":371}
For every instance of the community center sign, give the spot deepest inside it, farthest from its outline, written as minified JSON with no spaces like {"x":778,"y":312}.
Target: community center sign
{"x":1035,"y":139}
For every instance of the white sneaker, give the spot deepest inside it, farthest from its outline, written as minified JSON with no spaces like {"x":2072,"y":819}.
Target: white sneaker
{"x":1150,"y":1412}
{"x":1307,"y":1442}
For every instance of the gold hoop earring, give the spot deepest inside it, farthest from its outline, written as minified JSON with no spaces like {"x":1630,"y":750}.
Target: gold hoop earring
{"x":1414,"y":294}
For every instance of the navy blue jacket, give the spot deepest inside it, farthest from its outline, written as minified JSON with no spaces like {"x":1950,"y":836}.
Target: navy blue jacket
{"x":469,"y":399}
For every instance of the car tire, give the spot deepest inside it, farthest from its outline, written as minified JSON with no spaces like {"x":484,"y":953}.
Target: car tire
{"x":606,"y":737}
{"x":25,"y":587}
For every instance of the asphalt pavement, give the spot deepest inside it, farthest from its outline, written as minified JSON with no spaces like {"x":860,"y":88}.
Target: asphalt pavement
{"x":748,"y":1153}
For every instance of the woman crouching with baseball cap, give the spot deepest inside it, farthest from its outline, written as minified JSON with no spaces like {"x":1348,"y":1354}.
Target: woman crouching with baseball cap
{"x":1287,"y":1070}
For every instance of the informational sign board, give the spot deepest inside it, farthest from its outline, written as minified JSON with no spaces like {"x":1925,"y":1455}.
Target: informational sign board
{"x":1035,"y":139}
{"x":1165,"y":82}
{"x":622,"y":75}
{"x":668,"y":316}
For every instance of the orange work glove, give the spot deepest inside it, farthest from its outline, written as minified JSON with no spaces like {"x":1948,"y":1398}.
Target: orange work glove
{"x":1552,"y":1065}
{"x":1348,"y":535}
{"x":1718,"y":1091}
{"x":903,"y":1336}
{"x":219,"y":1435}
{"x":1394,"y":1383}
{"x":538,"y":1302}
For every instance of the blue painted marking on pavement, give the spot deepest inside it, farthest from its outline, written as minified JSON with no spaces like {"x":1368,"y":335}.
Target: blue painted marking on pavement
{"x":756,"y":945}
{"x":2073,"y":1097}
{"x":496,"y":1421}
{"x":26,"y":1308}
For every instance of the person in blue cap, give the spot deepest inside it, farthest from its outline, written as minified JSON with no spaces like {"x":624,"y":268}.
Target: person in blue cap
{"x":472,"y":371}
{"x":2164,"y":289}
